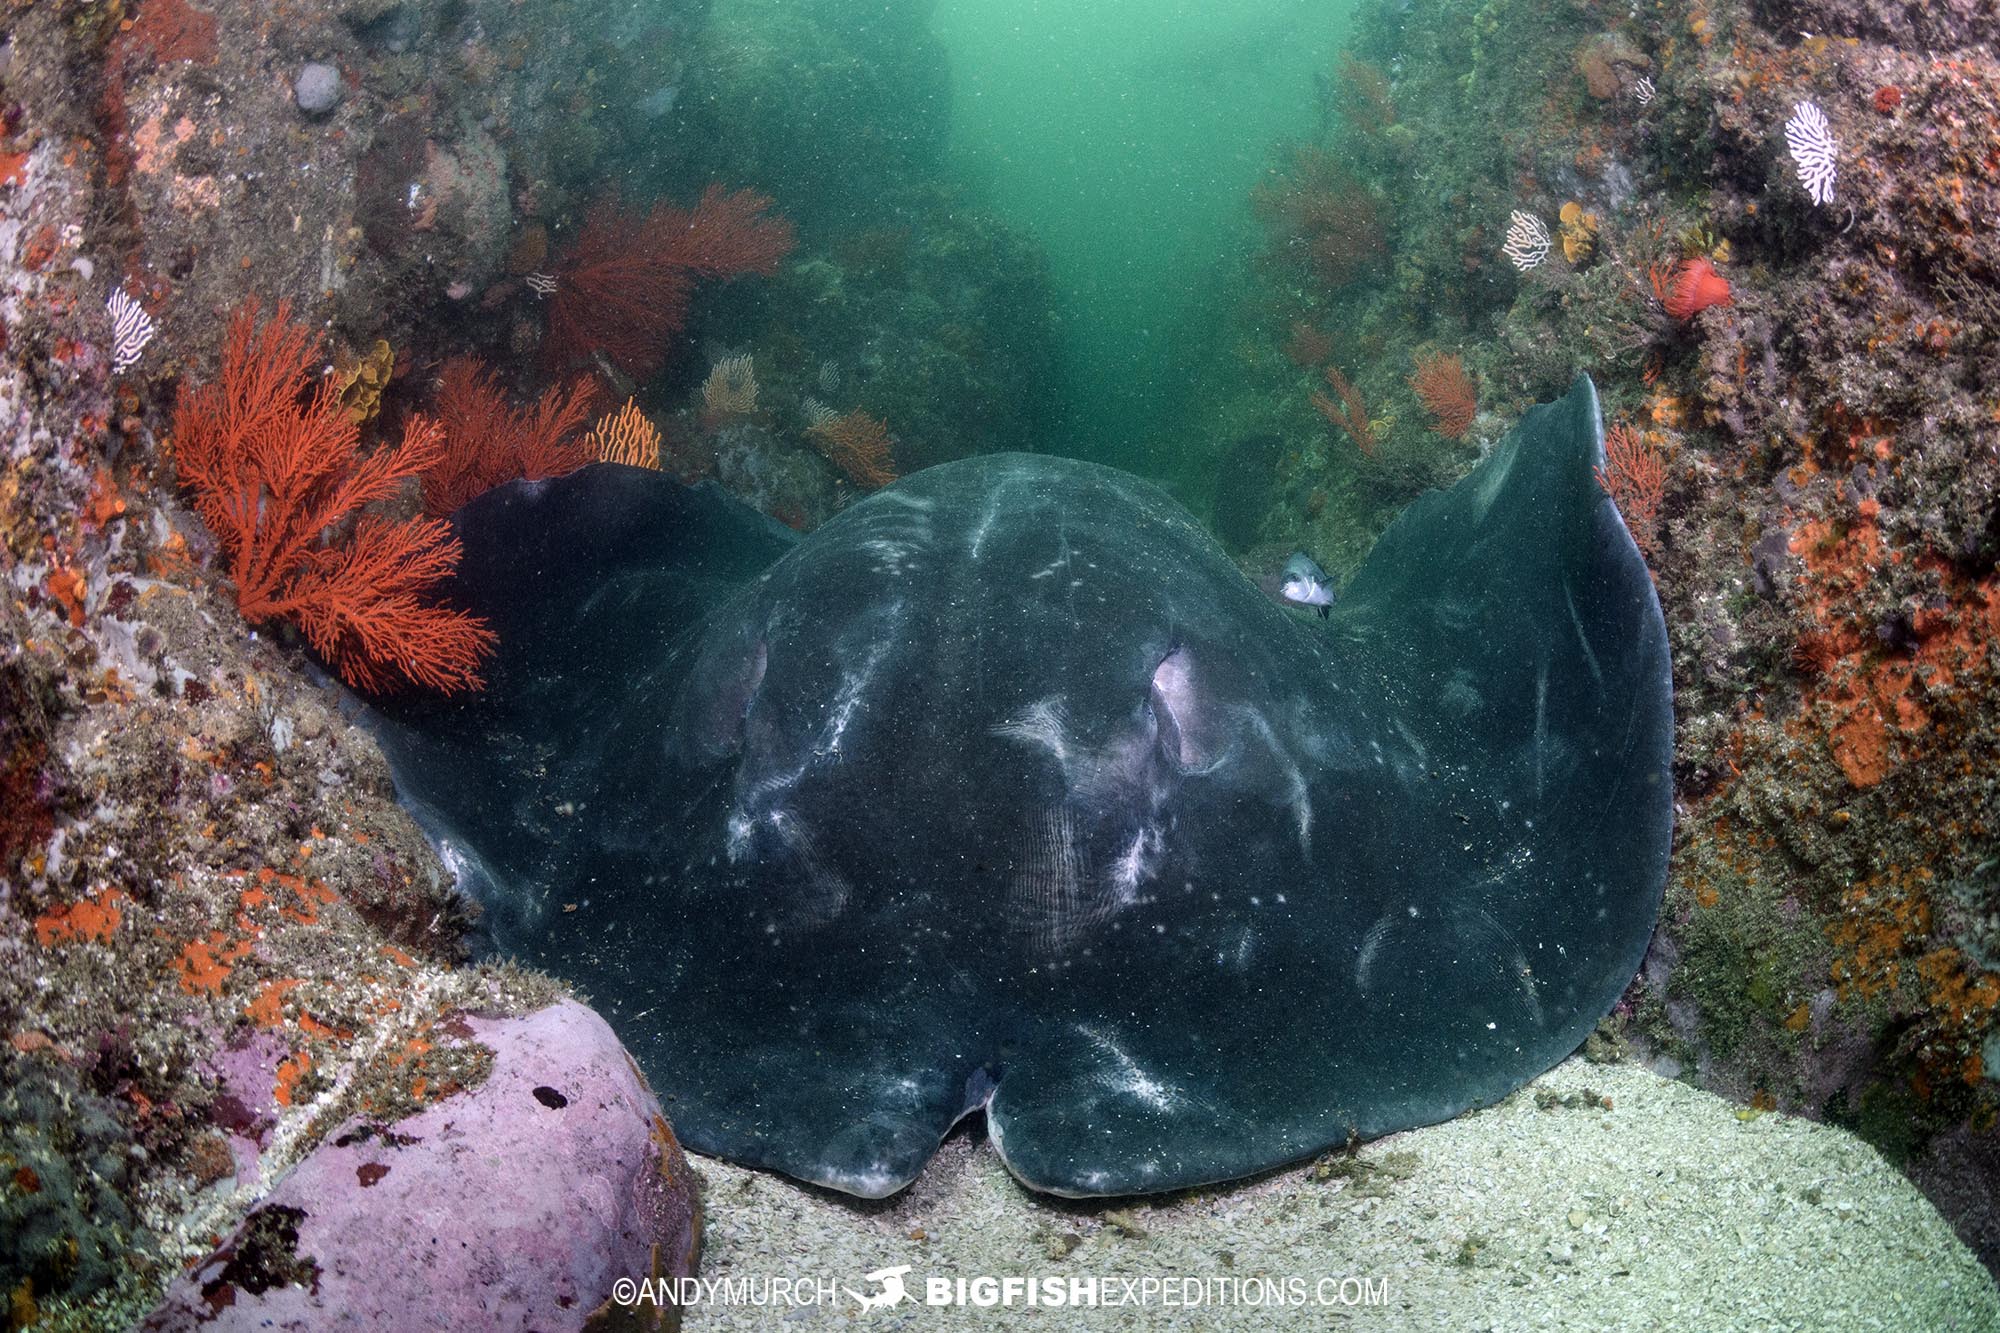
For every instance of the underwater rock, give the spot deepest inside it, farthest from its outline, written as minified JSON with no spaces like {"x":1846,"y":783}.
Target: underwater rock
{"x":317,"y":89}
{"x":1006,"y":791}
{"x":438,"y":211}
{"x":513,"y":1205}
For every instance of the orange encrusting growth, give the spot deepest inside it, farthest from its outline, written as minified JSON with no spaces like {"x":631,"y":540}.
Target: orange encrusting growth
{"x":290,"y":1072}
{"x":92,"y":919}
{"x":276,"y":470}
{"x":1878,"y":701}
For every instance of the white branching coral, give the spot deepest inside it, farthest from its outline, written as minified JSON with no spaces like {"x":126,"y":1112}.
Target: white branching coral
{"x":1528,"y":240}
{"x":731,"y":387}
{"x":1814,"y":150}
{"x":131,"y":330}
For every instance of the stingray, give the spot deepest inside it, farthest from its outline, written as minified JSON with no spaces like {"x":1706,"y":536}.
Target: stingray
{"x":1006,"y":791}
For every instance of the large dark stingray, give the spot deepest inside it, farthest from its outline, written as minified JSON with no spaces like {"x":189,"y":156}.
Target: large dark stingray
{"x":1005,"y":789}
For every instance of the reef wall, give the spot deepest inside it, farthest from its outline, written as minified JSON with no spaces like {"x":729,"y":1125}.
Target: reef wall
{"x":1768,"y":232}
{"x":225,"y":952}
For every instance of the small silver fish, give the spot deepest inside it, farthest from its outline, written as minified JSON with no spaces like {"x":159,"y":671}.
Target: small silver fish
{"x":1306,"y":584}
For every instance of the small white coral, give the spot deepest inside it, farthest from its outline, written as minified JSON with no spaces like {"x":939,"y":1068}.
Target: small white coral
{"x":1814,"y":150}
{"x":1528,"y":240}
{"x":131,"y":330}
{"x":731,"y":387}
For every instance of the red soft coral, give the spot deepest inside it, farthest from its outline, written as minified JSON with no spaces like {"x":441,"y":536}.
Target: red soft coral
{"x":621,"y":289}
{"x":277,"y":473}
{"x":1452,"y":395}
{"x":488,"y":442}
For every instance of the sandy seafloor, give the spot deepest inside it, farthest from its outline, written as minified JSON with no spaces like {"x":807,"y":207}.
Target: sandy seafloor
{"x":1669,"y":1210}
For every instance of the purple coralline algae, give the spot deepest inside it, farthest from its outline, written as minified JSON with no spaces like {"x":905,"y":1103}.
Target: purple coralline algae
{"x":513,"y":1205}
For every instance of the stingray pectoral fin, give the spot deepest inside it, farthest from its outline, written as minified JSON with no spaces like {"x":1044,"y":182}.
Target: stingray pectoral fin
{"x":1107,"y":1108}
{"x":875,"y":1156}
{"x":1506,"y":668}
{"x":574,"y":570}
{"x":808,"y":1073}
{"x":589,"y":580}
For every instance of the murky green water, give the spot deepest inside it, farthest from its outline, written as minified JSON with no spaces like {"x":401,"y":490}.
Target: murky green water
{"x":1125,"y":136}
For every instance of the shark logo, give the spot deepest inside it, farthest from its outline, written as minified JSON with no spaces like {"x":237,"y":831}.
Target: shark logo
{"x":892,"y":1293}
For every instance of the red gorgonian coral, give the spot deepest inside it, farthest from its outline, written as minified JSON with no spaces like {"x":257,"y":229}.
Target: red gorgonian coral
{"x":858,"y":445}
{"x":1634,"y":475}
{"x":274,"y":463}
{"x":1350,"y":413}
{"x":1449,"y":393}
{"x":1320,"y":217}
{"x":621,"y":289}
{"x":1308,"y":347}
{"x":489,"y":442}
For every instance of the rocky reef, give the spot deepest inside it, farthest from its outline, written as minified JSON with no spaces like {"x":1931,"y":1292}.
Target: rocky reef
{"x":235,"y":1009}
{"x":1767,"y":231}
{"x":238,"y":1026}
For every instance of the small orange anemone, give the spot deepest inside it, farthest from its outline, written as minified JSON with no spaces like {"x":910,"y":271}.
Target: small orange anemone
{"x":1694,"y":287}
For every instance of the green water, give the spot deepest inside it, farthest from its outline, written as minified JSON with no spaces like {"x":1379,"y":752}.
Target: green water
{"x":1125,"y":136}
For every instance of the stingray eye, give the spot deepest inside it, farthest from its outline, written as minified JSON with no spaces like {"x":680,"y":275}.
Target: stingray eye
{"x":1176,"y":707}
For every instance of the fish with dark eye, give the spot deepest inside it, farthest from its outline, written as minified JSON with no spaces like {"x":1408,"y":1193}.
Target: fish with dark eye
{"x":1306,"y":584}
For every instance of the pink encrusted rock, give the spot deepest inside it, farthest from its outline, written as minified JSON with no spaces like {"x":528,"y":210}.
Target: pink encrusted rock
{"x":514,"y":1205}
{"x":245,"y":1072}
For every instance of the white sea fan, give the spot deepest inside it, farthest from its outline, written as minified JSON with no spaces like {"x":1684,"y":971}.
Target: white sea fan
{"x":131,"y":330}
{"x":731,"y":387}
{"x":817,"y":414}
{"x":1528,"y":240}
{"x":1643,"y":90}
{"x":1814,"y":150}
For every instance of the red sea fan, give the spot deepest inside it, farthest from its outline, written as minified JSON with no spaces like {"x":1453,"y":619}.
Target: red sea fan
{"x":489,"y":442}
{"x":616,"y":294}
{"x":1350,"y":413}
{"x":726,"y":234}
{"x":276,"y":471}
{"x":859,"y":445}
{"x":1450,"y":394}
{"x":1634,"y":475}
{"x":549,"y":439}
{"x":1308,"y":348}
{"x":1321,"y":218}
{"x":621,"y":290}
